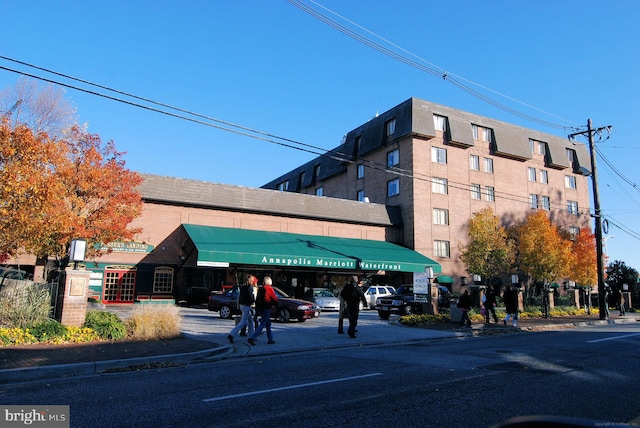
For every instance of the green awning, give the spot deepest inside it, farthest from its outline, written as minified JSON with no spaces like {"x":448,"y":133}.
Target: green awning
{"x":221,"y":247}
{"x":444,"y":279}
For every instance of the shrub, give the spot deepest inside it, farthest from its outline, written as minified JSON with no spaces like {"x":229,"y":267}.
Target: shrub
{"x":154,"y":322}
{"x":48,"y":330}
{"x":24,"y":304}
{"x":106,"y":324}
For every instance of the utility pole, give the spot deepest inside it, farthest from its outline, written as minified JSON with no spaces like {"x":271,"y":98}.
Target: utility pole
{"x":598,"y":218}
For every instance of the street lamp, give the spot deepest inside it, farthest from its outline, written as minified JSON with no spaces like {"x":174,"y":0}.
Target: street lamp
{"x":77,"y":252}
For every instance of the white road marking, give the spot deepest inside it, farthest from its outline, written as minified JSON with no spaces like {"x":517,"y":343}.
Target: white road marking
{"x":613,"y":338}
{"x":266,"y":391}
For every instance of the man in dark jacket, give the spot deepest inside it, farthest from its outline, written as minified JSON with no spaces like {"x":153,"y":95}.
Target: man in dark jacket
{"x":510,"y":299}
{"x":352,"y":294}
{"x":464,"y":304}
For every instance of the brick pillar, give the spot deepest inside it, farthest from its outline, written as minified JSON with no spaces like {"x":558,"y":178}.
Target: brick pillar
{"x":74,"y":288}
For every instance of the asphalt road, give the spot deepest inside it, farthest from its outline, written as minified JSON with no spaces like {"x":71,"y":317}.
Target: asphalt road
{"x":588,"y":372}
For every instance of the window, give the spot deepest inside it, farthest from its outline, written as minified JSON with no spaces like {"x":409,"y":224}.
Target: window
{"x":570,"y":155}
{"x":440,"y":122}
{"x":163,"y":280}
{"x":319,"y":191}
{"x":546,"y":203}
{"x":439,"y":185}
{"x":572,"y":207}
{"x":361,"y":171}
{"x":569,"y":182}
{"x":441,"y":249}
{"x":533,"y":201}
{"x":475,"y":191}
{"x":474,"y":162}
{"x":390,"y":127}
{"x":474,"y":128}
{"x":490,"y":193}
{"x":361,"y":195}
{"x":544,"y":176}
{"x":393,"y":158}
{"x":541,"y":148}
{"x":316,"y":172}
{"x":532,"y":174}
{"x":393,"y":187}
{"x":438,"y":154}
{"x":574,"y":232}
{"x":441,"y":216}
{"x":486,"y":134}
{"x":488,"y":165}
{"x":284,"y":186}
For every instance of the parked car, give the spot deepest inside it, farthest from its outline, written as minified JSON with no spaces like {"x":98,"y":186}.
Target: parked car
{"x":325,"y":299}
{"x":376,"y":291}
{"x":402,"y":302}
{"x":226,"y":303}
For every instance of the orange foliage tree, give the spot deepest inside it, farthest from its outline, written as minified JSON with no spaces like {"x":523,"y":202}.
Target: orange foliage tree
{"x":544,"y":254}
{"x":56,"y":190}
{"x":584,"y":268}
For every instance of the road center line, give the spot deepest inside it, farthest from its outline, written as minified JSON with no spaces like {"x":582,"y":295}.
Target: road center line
{"x":265,"y":391}
{"x":613,"y":338}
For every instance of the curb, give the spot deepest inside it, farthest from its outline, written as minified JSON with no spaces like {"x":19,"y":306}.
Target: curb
{"x":110,"y":366}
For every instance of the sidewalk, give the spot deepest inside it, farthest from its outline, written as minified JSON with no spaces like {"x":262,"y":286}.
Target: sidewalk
{"x":204,"y":337}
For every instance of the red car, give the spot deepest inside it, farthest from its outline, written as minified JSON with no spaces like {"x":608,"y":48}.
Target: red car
{"x":226,"y":302}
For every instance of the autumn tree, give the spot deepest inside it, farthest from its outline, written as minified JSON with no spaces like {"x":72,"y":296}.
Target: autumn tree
{"x":488,"y":253}
{"x":584,"y":268}
{"x":544,"y":255}
{"x":55,"y":189}
{"x":39,"y":108}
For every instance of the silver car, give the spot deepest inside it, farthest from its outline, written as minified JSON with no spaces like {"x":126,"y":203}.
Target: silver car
{"x":325,"y":299}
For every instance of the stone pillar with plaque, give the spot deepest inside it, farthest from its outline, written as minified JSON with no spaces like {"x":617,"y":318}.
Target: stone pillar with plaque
{"x":72,"y":297}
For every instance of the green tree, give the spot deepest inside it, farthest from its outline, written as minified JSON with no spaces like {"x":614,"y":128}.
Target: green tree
{"x":618,"y":274}
{"x":488,"y":252}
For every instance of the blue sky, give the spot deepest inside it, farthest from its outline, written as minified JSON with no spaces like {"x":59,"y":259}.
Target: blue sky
{"x":269,"y":66}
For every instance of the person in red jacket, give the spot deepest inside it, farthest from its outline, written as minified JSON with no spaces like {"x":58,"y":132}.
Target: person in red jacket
{"x":265,"y":300}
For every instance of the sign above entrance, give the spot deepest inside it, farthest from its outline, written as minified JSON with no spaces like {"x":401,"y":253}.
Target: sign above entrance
{"x":126,"y":247}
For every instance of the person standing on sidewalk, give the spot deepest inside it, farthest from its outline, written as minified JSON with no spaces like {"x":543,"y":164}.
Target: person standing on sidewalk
{"x":245,"y":300}
{"x":489,"y":303}
{"x":510,"y":299}
{"x":353,"y":295}
{"x":464,"y":304}
{"x":265,"y":300}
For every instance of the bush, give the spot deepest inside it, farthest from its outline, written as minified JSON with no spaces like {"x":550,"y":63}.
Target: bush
{"x":48,"y":330}
{"x":106,"y":324}
{"x":24,"y":304}
{"x":154,"y":322}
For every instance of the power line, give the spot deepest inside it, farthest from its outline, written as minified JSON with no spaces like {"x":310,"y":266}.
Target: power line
{"x":429,"y":68}
{"x":334,"y":154}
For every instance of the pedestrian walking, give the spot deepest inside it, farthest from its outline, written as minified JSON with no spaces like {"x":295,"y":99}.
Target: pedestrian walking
{"x":489,"y":302}
{"x":245,"y":300}
{"x":265,"y":300}
{"x":510,"y":299}
{"x":464,"y":304}
{"x":254,"y":291}
{"x":352,"y":294}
